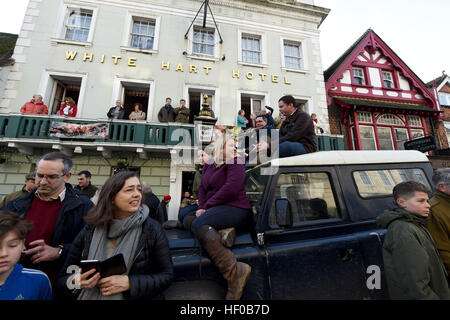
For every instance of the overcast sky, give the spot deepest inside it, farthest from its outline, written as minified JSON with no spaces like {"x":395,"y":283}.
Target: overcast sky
{"x":417,"y":30}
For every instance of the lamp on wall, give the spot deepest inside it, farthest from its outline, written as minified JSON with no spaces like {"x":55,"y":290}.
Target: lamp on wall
{"x":223,"y":58}
{"x":184,"y":53}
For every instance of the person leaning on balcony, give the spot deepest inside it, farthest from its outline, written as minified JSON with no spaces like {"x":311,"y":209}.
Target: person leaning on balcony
{"x":182,"y":112}
{"x":223,"y":203}
{"x":137,"y":114}
{"x":117,"y":112}
{"x":439,"y":221}
{"x":166,"y":113}
{"x":69,"y":108}
{"x":120,"y":224}
{"x":35,"y":106}
{"x":241,"y":119}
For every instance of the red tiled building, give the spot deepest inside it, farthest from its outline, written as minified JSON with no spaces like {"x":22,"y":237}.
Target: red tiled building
{"x":376,"y":101}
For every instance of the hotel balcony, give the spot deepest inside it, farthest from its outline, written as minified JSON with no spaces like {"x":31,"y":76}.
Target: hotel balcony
{"x":26,"y":132}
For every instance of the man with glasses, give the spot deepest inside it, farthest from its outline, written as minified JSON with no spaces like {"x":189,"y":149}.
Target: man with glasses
{"x":56,"y":211}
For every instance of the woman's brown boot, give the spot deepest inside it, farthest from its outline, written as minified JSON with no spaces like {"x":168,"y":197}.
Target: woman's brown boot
{"x":236,"y":273}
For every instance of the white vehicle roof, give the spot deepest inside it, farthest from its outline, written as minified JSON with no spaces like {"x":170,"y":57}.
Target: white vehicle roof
{"x":351,"y":157}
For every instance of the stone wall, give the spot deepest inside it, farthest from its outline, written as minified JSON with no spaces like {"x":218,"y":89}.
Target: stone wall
{"x":155,"y":171}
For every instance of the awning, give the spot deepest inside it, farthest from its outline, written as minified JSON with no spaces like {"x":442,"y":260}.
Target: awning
{"x":385,"y":104}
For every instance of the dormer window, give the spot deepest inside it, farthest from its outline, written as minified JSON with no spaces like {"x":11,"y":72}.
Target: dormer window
{"x":358,"y":76}
{"x":388,"y":79}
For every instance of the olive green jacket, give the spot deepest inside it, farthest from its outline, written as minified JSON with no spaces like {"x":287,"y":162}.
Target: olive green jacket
{"x":439,"y":226}
{"x":182,"y":114}
{"x":411,"y":261}
{"x":12,"y":196}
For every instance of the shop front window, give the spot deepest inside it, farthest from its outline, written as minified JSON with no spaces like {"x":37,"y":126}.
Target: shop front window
{"x":385,"y":138}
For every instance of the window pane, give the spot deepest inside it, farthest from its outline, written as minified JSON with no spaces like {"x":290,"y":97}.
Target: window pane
{"x":401,"y":135}
{"x":310,"y":196}
{"x":414,"y":121}
{"x":367,"y":138}
{"x":385,"y":138}
{"x":383,"y":181}
{"x":417,"y":133}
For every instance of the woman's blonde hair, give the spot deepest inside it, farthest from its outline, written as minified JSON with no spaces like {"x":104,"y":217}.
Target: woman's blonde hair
{"x":216,"y":149}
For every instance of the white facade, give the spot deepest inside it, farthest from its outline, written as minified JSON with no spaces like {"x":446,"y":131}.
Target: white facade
{"x":99,"y":62}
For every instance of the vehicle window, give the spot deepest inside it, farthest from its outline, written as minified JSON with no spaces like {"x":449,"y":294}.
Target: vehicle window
{"x":384,"y":181}
{"x":255,"y":185}
{"x":309,"y":194}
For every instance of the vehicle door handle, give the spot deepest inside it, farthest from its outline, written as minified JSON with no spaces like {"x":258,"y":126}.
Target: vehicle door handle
{"x":346,"y":254}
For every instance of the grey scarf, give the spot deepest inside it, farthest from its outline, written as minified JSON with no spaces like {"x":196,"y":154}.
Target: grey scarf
{"x":127,"y":232}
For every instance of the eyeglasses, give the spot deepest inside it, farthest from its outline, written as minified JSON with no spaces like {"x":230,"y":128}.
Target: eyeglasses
{"x":51,"y":177}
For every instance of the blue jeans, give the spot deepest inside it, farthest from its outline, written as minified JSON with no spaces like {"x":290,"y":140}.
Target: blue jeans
{"x":223,"y":217}
{"x":290,"y":149}
{"x":187,"y":211}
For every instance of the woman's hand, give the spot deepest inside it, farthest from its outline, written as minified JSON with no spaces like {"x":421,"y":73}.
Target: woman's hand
{"x":199,"y":212}
{"x":113,"y":285}
{"x":86,"y":283}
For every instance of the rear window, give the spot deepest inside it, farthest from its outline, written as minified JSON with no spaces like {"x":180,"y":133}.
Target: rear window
{"x":380,"y":183}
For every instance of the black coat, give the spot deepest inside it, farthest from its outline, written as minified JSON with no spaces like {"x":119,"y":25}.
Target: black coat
{"x":121,"y":113}
{"x":89,"y":191}
{"x":70,"y":219}
{"x":152,"y":202}
{"x":151,"y":271}
{"x":299,"y":127}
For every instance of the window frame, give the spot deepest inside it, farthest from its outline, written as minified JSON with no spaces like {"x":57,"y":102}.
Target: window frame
{"x":59,"y":33}
{"x":364,"y":76}
{"x":190,"y":45}
{"x":391,"y":80}
{"x":303,"y":54}
{"x":127,"y":35}
{"x":335,"y":188}
{"x":381,"y":196}
{"x":263,"y":47}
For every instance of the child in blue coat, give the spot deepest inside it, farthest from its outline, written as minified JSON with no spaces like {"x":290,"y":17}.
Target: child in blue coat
{"x":17,"y":282}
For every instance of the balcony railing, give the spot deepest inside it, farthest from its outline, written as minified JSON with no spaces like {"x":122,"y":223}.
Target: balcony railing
{"x":25,"y":127}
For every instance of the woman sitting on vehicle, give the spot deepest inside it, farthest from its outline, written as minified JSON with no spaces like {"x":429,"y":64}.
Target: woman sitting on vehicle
{"x":69,"y":108}
{"x":120,"y":224}
{"x":223,"y":203}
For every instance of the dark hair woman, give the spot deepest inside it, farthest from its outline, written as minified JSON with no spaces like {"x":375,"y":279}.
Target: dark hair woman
{"x":120,"y":224}
{"x":137,"y":114}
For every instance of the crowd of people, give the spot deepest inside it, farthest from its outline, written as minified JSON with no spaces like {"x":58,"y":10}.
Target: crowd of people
{"x":51,"y":226}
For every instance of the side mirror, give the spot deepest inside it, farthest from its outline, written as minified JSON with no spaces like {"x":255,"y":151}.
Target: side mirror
{"x":283,"y":213}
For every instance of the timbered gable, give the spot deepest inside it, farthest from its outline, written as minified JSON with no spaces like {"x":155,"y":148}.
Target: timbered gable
{"x":371,"y":70}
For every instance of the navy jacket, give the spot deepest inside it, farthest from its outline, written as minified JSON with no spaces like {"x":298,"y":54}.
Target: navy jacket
{"x":151,"y":271}
{"x":70,"y":219}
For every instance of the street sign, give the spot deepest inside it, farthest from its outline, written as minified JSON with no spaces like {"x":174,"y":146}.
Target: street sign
{"x":424,"y":144}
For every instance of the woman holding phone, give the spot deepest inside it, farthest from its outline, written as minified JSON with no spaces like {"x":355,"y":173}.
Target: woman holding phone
{"x":119,"y":224}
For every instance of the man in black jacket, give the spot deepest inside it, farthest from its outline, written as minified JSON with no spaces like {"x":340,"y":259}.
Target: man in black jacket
{"x":56,"y":211}
{"x":150,"y":199}
{"x":297,"y":135}
{"x":117,"y":112}
{"x":84,"y":184}
{"x":166,"y":113}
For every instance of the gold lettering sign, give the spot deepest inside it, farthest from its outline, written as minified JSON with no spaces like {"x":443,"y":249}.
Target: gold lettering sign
{"x":165,"y":65}
{"x":116,"y":58}
{"x":89,"y":57}
{"x":193,"y":68}
{"x":179,"y":68}
{"x":207,"y":69}
{"x":70,"y":55}
{"x":132,"y":62}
